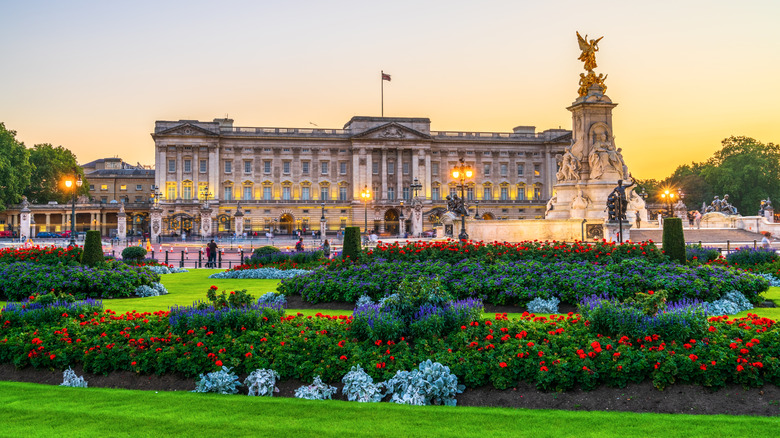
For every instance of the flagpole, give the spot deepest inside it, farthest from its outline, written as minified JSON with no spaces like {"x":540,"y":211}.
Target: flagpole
{"x":382,"y":80}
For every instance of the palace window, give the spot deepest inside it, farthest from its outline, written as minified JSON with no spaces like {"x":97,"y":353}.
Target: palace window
{"x":203,"y":190}
{"x":186,"y":190}
{"x":247,"y":166}
{"x":391,"y":168}
{"x":537,"y":192}
{"x":138,"y":187}
{"x":391,"y":193}
{"x":537,"y":169}
{"x":343,"y":168}
{"x":228,"y":193}
{"x":435,"y":193}
{"x":228,"y":166}
{"x":406,"y":168}
{"x":305,"y":167}
{"x":504,"y":193}
{"x":342,"y":193}
{"x":486,"y":168}
{"x":324,"y":167}
{"x":406,"y":193}
{"x":305,"y":194}
{"x":247,"y":192}
{"x":286,"y":193}
{"x":203,"y":166}
{"x":520,"y":169}
{"x":521,"y":193}
{"x":487,"y":194}
{"x":435,"y":169}
{"x":470,"y":193}
{"x":123,"y":187}
{"x":375,"y":167}
{"x":267,"y":194}
{"x":171,"y":165}
{"x":170,"y":189}
{"x":188,"y":166}
{"x":286,"y":167}
{"x":504,"y":169}
{"x":324,"y":194}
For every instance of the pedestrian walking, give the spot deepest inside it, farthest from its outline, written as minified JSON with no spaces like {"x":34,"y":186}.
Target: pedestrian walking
{"x":212,"y":247}
{"x":326,"y":249}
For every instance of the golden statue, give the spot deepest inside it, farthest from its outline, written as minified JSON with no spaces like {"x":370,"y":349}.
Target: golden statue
{"x":589,"y":49}
{"x":588,"y":56}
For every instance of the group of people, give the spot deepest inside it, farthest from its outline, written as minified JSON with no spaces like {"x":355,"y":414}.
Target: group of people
{"x":299,"y":247}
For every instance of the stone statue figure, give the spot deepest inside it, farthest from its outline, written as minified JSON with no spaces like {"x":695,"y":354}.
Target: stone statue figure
{"x":569,"y":166}
{"x":25,"y":203}
{"x":766,"y":205}
{"x":456,"y":205}
{"x":714,"y":205}
{"x":580,"y":201}
{"x":619,"y":200}
{"x":589,"y":49}
{"x":551,"y":204}
{"x":603,"y":157}
{"x":726,"y":207}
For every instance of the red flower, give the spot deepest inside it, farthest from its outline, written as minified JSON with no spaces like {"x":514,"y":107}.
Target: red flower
{"x":343,"y":357}
{"x":543,"y":368}
{"x":133,"y":363}
{"x":248,"y":355}
{"x":703,"y":367}
{"x":52,"y":357}
{"x":713,"y":328}
{"x":218,"y":363}
{"x":502,"y":365}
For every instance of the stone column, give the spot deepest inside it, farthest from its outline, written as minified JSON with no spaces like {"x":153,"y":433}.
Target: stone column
{"x":205,"y":221}
{"x":48,"y":222}
{"x":399,"y":169}
{"x":103,"y":223}
{"x":239,"y":220}
{"x":25,"y":217}
{"x":155,"y":214}
{"x":427,"y":181}
{"x":121,"y":223}
{"x":383,"y":176}
{"x":357,"y":173}
{"x":214,"y":172}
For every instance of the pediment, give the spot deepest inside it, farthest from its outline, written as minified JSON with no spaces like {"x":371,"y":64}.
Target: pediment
{"x":186,"y":129}
{"x":392,"y":131}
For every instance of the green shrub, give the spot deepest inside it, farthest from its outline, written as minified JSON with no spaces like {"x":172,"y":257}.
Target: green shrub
{"x":133,"y":253}
{"x":673,"y":239}
{"x":351,"y":243}
{"x":93,"y":249}
{"x":265,"y":250}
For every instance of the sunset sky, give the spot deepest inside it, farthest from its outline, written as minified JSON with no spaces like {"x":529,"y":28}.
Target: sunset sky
{"x":93,"y":76}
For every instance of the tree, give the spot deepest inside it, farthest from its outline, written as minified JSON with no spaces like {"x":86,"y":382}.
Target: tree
{"x":15,"y":168}
{"x":693,"y":184}
{"x":747,"y":170}
{"x":51,"y":167}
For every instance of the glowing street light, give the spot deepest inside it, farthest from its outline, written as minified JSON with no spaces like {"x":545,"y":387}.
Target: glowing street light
{"x":366,"y":195}
{"x":70,"y":184}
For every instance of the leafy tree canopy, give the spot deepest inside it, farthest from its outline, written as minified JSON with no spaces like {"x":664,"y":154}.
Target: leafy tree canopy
{"x":52,"y":166}
{"x":15,"y":168}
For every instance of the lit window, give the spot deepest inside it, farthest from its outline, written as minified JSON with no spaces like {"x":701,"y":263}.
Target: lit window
{"x":123,"y":187}
{"x":186,"y":190}
{"x":537,"y":169}
{"x":104,"y":187}
{"x":170,"y":189}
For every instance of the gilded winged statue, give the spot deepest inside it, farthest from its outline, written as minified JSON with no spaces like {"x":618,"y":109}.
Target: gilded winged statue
{"x":589,"y":49}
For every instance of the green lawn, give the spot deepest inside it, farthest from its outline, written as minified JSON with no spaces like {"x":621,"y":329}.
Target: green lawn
{"x":32,"y":410}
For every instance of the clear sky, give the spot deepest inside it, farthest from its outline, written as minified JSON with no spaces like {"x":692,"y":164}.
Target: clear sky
{"x":93,"y":76}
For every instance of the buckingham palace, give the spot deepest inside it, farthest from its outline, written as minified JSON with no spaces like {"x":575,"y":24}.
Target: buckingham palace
{"x":367,"y":173}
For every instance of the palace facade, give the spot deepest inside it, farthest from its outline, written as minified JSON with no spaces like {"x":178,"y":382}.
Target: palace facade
{"x":284,"y":179}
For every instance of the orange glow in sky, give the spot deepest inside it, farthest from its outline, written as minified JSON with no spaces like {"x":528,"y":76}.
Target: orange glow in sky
{"x":94,"y":76}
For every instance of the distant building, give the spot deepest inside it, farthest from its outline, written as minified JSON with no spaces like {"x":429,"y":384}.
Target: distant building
{"x":287,"y":178}
{"x":111,"y":181}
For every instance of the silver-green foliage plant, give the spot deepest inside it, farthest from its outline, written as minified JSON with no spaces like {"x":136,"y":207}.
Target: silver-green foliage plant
{"x":431,"y":384}
{"x":156,"y":289}
{"x":162,"y":269}
{"x":221,"y":382}
{"x":359,"y":386}
{"x":540,"y":305}
{"x":316,"y":391}
{"x":273,"y":298}
{"x":732,"y":302}
{"x":262,"y":382}
{"x":69,"y":378}
{"x":261,"y":274}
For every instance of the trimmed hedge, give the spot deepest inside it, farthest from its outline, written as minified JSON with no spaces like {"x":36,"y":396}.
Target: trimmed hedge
{"x":351,"y":243}
{"x":93,"y":249}
{"x":674,"y":239}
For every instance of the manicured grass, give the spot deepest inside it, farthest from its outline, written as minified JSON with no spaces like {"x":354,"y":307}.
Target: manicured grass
{"x":40,"y":410}
{"x":186,"y":288}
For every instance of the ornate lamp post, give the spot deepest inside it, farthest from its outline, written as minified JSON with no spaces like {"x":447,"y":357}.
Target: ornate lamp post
{"x":416,"y":186}
{"x":668,"y":196}
{"x":476,"y":213}
{"x":461,"y":172}
{"x":401,"y":223}
{"x":323,"y":224}
{"x":69,"y":184}
{"x":366,"y":195}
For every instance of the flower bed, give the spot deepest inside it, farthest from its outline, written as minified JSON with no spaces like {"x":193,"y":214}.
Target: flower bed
{"x":505,"y":282}
{"x":556,"y":353}
{"x":19,"y":280}
{"x":260,"y":273}
{"x":453,"y":251}
{"x":41,"y":254}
